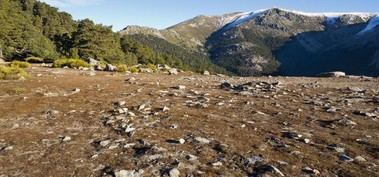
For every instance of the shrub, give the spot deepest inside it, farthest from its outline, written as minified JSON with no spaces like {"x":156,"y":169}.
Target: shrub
{"x":71,"y":63}
{"x":20,"y":64}
{"x":12,"y":73}
{"x":134,"y":70}
{"x":102,"y":63}
{"x":153,"y":67}
{"x":121,"y":68}
{"x":34,"y":60}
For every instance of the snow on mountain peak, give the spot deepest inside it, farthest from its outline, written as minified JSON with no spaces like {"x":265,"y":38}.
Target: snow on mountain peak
{"x":330,"y":14}
{"x":243,"y":17}
{"x":330,"y":17}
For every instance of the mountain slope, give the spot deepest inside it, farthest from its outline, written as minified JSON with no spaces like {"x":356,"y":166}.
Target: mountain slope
{"x":249,"y":45}
{"x":151,"y":49}
{"x":191,"y":34}
{"x":279,"y":41}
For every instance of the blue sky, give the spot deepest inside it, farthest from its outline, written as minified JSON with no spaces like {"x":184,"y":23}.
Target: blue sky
{"x":164,"y":13}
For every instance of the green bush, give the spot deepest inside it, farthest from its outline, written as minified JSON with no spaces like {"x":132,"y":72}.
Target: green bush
{"x":153,"y":67}
{"x":34,"y":60}
{"x":20,"y":64}
{"x":71,"y":63}
{"x":102,"y":63}
{"x":134,"y":70}
{"x":121,"y":68}
{"x":12,"y":73}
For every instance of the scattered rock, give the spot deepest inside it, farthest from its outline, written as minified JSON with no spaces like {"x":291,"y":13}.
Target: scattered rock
{"x":262,"y":170}
{"x":5,"y":147}
{"x":93,"y":62}
{"x":333,"y":74}
{"x":180,"y":87}
{"x":72,"y":92}
{"x":364,"y":113}
{"x":207,"y":73}
{"x":105,"y":143}
{"x":180,"y":141}
{"x":217,"y":164}
{"x":120,"y":103}
{"x":345,"y":158}
{"x":146,"y":70}
{"x":110,"y":68}
{"x":66,"y":139}
{"x":128,"y":173}
{"x":251,"y":88}
{"x":165,"y":109}
{"x":359,"y":159}
{"x":174,"y":172}
{"x":336,"y":148}
{"x":202,"y":140}
{"x":311,"y":171}
{"x":306,"y":140}
{"x":173,"y":71}
{"x":346,"y":122}
{"x":191,"y":157}
{"x":173,"y":126}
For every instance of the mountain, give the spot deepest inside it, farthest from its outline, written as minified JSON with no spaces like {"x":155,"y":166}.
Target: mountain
{"x":279,"y":41}
{"x":151,"y":49}
{"x":191,"y":34}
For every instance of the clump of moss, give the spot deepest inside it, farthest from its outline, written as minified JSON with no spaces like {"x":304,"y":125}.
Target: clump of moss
{"x":12,"y":73}
{"x":71,"y":63}
{"x":134,"y":69}
{"x":16,"y":91}
{"x":153,"y":67}
{"x":122,"y":68}
{"x":20,"y":64}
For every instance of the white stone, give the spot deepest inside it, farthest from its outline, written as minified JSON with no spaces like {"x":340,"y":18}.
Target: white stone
{"x":174,"y":172}
{"x":202,"y":140}
{"x":128,"y":173}
{"x":66,"y":139}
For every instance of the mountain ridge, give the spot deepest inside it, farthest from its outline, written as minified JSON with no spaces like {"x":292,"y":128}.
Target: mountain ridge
{"x":247,"y":43}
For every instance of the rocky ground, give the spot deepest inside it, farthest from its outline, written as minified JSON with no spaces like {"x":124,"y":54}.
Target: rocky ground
{"x":63,"y":122}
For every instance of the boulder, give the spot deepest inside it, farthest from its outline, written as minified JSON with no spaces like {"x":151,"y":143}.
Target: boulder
{"x":111,"y":68}
{"x":173,"y":71}
{"x":93,"y":62}
{"x":333,"y":74}
{"x":98,"y":68}
{"x":174,"y":172}
{"x":128,"y":173}
{"x":146,"y":70}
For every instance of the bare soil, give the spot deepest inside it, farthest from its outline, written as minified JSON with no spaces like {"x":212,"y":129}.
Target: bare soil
{"x":304,"y":127}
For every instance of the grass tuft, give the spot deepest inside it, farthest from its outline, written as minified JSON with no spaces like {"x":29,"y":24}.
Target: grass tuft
{"x":12,"y":73}
{"x":71,"y":63}
{"x":20,"y":64}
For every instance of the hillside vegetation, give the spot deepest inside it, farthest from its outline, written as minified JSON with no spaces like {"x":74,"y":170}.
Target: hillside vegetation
{"x":159,"y":50}
{"x":33,"y":29}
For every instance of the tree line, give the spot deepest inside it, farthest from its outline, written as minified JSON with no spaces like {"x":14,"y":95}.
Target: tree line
{"x":29,"y":28}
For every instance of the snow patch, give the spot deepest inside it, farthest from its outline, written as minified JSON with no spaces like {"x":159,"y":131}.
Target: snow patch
{"x":243,"y":17}
{"x":374,"y":22}
{"x":331,"y":17}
